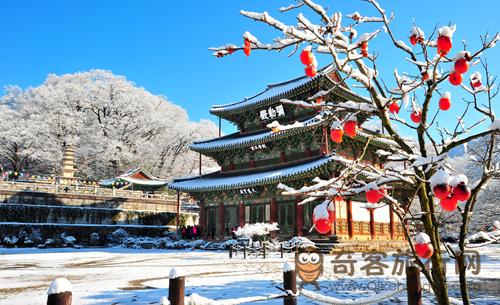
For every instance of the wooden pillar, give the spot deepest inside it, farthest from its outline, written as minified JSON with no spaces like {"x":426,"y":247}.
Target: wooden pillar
{"x":299,"y":219}
{"x":326,"y":144}
{"x":241,"y":214}
{"x":308,"y":152}
{"x":178,"y":213}
{"x":220,"y":126}
{"x":251,"y":163}
{"x":274,"y":210}
{"x":203,"y":219}
{"x":373,"y":233}
{"x":283,"y":157}
{"x":350,"y":224}
{"x":391,"y":223}
{"x":222,"y":223}
{"x":231,"y":165}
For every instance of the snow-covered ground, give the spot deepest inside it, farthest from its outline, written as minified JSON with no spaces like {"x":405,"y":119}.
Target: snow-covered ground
{"x":134,"y":276}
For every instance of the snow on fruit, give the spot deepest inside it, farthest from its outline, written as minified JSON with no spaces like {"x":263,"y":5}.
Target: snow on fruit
{"x":423,"y":246}
{"x":350,"y":127}
{"x":321,"y":218}
{"x":416,"y":35}
{"x":445,"y":101}
{"x":462,"y":62}
{"x":336,"y":132}
{"x":444,"y":41}
{"x":311,"y":71}
{"x":416,"y":116}
{"x":461,"y":191}
{"x":455,"y":78}
{"x":475,"y":80}
{"x":306,"y":56}
{"x":440,"y":184}
{"x":372,"y":194}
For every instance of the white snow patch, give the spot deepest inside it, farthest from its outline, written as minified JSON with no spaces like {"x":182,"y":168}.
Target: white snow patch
{"x":174,"y":273}
{"x":60,"y":285}
{"x":422,"y":238}
{"x":287,"y":267}
{"x":439,"y":177}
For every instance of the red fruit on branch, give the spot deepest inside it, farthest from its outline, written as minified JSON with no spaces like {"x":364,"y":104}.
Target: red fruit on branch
{"x":311,"y":71}
{"x":338,"y":198}
{"x":350,"y":128}
{"x":413,"y":39}
{"x":425,"y":75}
{"x":247,"y":49}
{"x":322,"y":225}
{"x":455,"y":78}
{"x":364,"y":45}
{"x":424,"y":250}
{"x":449,"y":203}
{"x":476,"y":84}
{"x":444,"y":45}
{"x":372,"y":196}
{"x":306,"y":56}
{"x":445,"y":101}
{"x":461,"y":65}
{"x":336,"y":135}
{"x":394,"y":108}
{"x":461,"y":192}
{"x":319,"y":100}
{"x":416,"y":116}
{"x":441,"y":191}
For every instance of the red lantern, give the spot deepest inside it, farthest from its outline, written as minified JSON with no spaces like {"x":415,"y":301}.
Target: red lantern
{"x":247,"y":48}
{"x":306,"y":56}
{"x":416,"y":116}
{"x":336,"y":135}
{"x":461,"y":65}
{"x":461,"y":192}
{"x":444,"y":104}
{"x":394,"y":108}
{"x":424,"y":250}
{"x":331,"y":216}
{"x":444,"y":45}
{"x":350,"y":128}
{"x":413,"y":39}
{"x":311,"y":71}
{"x":322,"y":225}
{"x":441,"y":191}
{"x":449,"y":203}
{"x":372,"y":196}
{"x":455,"y":78}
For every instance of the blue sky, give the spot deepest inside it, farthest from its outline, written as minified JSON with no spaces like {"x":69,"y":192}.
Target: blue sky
{"x":162,"y":45}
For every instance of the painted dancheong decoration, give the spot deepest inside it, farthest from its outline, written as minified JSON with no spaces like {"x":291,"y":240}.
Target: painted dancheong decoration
{"x":292,"y":156}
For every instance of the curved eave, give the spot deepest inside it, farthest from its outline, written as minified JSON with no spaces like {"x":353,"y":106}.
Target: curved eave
{"x":214,"y":183}
{"x":260,"y":100}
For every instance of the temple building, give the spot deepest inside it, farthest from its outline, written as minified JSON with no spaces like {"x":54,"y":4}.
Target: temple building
{"x":256,"y":159}
{"x":136,"y":179}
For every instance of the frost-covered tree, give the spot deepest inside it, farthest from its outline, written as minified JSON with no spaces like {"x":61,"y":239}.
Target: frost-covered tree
{"x":113,"y":124}
{"x":435,"y":64}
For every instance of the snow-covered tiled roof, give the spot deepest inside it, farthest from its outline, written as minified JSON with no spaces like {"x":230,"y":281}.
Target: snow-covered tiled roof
{"x":223,"y":181}
{"x":151,"y":180}
{"x":275,"y":92}
{"x":236,"y":140}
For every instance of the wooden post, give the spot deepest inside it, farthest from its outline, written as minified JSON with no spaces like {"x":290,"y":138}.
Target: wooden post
{"x":350,"y":225}
{"x":289,"y":284}
{"x":220,"y":126}
{"x":230,"y":251}
{"x":60,"y":292}
{"x":245,"y":251}
{"x":176,"y":286}
{"x":373,"y":233}
{"x":414,"y":288}
{"x":281,"y":250}
{"x":178,"y":213}
{"x":264,"y":250}
{"x":391,"y":223}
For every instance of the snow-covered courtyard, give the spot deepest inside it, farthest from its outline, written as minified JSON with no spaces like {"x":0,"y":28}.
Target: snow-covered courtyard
{"x":133,"y":276}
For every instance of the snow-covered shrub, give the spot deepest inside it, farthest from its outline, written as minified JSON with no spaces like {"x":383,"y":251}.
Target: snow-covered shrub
{"x":118,"y":236}
{"x":256,"y":229}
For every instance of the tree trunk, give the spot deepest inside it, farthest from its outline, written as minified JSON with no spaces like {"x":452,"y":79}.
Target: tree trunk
{"x":437,"y":272}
